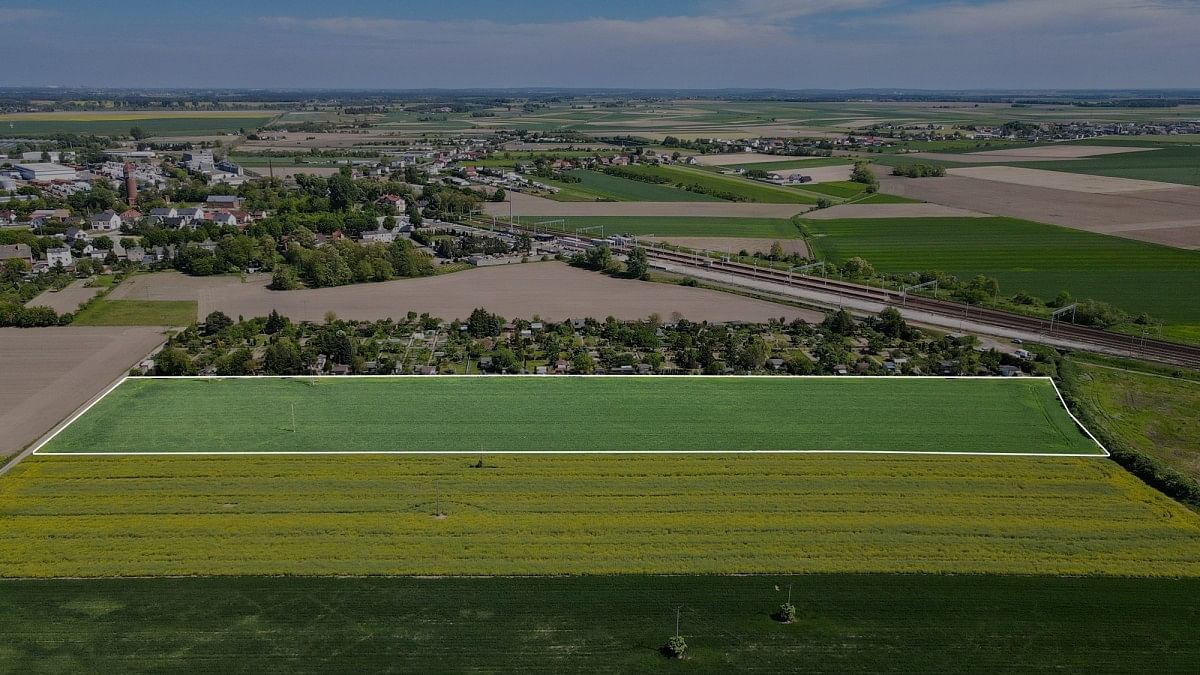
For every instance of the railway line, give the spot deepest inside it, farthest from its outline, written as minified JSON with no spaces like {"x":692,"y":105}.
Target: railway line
{"x":1052,"y":332}
{"x":1048,"y":331}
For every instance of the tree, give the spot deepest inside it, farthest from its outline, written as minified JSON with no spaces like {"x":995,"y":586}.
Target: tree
{"x":862,"y":174}
{"x":275,"y":323}
{"x":777,"y":251}
{"x":499,"y":195}
{"x":283,"y":278}
{"x":787,"y":613}
{"x":582,"y":363}
{"x":174,"y":361}
{"x":857,"y":268}
{"x":216,"y":322}
{"x":482,"y":323}
{"x":504,"y":359}
{"x":283,"y":358}
{"x":343,"y":193}
{"x":839,"y":323}
{"x":137,"y":133}
{"x":638,"y":264}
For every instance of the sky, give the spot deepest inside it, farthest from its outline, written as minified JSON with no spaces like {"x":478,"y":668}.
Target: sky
{"x":685,"y":44}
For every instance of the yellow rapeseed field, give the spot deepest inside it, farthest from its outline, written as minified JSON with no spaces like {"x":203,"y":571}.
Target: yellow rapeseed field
{"x":662,"y":514}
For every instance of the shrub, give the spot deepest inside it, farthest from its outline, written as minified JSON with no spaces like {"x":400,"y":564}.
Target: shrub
{"x":786,"y":613}
{"x":675,"y":647}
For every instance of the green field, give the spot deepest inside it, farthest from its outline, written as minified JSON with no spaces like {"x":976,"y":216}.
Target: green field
{"x":105,"y":312}
{"x":1169,"y":163}
{"x":1037,"y":258}
{"x":136,"y":515}
{"x":595,"y":185}
{"x":707,"y":414}
{"x":842,"y":189}
{"x":748,"y":190}
{"x":847,"y":623}
{"x":165,"y":125}
{"x":1153,"y":414}
{"x":682,"y":226}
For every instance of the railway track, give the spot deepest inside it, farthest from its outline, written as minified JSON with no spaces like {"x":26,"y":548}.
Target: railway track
{"x":1050,"y":332}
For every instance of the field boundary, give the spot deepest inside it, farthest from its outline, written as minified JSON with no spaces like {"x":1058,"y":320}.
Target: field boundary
{"x":122,"y":380}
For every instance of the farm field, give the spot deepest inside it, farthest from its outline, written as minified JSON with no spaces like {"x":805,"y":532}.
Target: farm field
{"x":780,"y":228}
{"x":108,"y":312}
{"x":1037,"y":258}
{"x":552,"y":290}
{"x":142,"y":515}
{"x":1169,"y":162}
{"x":516,"y":414}
{"x":1166,"y":217}
{"x":49,"y":372}
{"x":595,"y":185}
{"x":843,"y":189}
{"x":190,"y":123}
{"x":848,"y":623}
{"x":748,"y":190}
{"x":792,"y":163}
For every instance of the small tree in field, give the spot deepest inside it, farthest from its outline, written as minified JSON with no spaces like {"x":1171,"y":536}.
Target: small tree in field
{"x":787,"y":613}
{"x":676,"y":646}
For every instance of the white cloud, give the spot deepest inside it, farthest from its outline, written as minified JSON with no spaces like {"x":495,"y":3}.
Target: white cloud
{"x":18,"y":14}
{"x":1066,"y":16}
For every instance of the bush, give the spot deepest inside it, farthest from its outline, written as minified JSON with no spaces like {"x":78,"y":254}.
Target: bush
{"x":675,"y":647}
{"x":786,"y":613}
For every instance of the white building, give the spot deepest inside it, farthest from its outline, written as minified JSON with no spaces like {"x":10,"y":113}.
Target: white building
{"x":107,"y":221}
{"x":46,"y":171}
{"x":55,"y":256}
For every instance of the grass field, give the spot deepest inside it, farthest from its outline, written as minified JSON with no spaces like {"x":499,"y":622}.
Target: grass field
{"x":847,"y":623}
{"x":1037,"y":258}
{"x":747,"y":189}
{"x":606,"y":414}
{"x":154,"y":124}
{"x":685,"y":226}
{"x":843,"y":189}
{"x":1170,"y":163}
{"x":1153,"y":414}
{"x":595,"y":514}
{"x":105,"y":312}
{"x":797,"y":163}
{"x":595,"y":185}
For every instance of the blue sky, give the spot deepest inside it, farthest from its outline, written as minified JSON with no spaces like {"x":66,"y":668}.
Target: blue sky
{"x":933,"y":44}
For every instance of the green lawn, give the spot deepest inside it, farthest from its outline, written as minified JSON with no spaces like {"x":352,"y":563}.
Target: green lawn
{"x":104,"y":312}
{"x":683,"y":226}
{"x":606,"y":414}
{"x":749,"y":190}
{"x":595,"y":185}
{"x":846,"y":623}
{"x":1040,"y":259}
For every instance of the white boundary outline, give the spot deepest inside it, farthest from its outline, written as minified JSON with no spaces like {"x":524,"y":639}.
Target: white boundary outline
{"x":118,"y":383}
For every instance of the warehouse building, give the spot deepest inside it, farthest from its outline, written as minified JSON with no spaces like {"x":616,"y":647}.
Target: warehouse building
{"x":45,"y":171}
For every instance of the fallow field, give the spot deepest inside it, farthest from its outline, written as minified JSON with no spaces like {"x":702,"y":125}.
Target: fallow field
{"x":164,"y":123}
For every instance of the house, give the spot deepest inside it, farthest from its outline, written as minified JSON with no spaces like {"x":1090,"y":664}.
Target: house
{"x":75,"y":234}
{"x":562,"y":367}
{"x":162,"y":214}
{"x":222,"y":218}
{"x":1009,"y":371}
{"x":130,"y":216}
{"x":426,"y":370}
{"x":232,"y":202}
{"x":135,"y":254}
{"x":7,"y":217}
{"x":105,"y":221}
{"x":381,"y":235}
{"x":59,"y":256}
{"x":16,"y":252}
{"x":195,"y":213}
